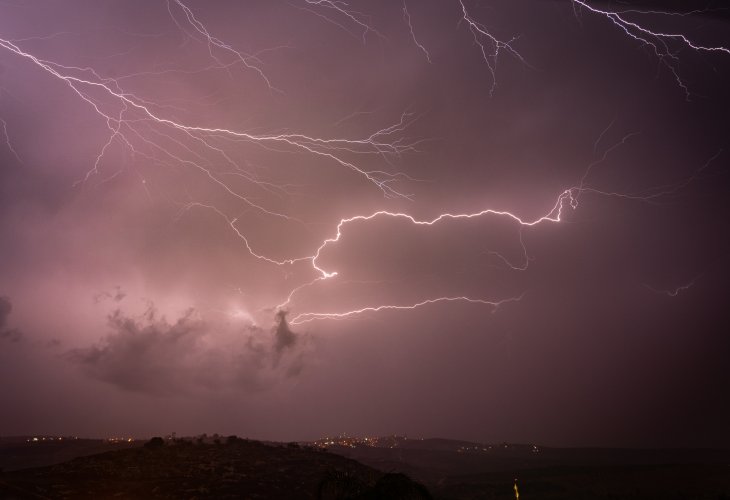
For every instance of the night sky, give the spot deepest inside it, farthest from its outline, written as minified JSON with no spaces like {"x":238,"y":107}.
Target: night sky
{"x":492,"y":220}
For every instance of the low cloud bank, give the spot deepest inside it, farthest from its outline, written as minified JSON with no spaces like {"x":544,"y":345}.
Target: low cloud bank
{"x":150,"y":354}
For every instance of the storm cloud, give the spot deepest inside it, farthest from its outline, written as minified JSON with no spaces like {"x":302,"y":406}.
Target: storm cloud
{"x":150,"y":354}
{"x":383,"y":183}
{"x":10,"y":334}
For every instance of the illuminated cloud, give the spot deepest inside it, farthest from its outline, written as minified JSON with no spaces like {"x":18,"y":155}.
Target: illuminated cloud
{"x":459,"y":218}
{"x":149,"y":354}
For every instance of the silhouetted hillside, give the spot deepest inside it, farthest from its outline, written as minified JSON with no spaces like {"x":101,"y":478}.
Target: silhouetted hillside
{"x":380,"y":469}
{"x":237,"y":469}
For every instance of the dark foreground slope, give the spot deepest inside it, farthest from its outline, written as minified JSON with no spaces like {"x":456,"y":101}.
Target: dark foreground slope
{"x":238,"y":469}
{"x":458,"y":470}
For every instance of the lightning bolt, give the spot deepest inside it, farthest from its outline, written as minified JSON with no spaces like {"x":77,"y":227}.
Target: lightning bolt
{"x":489,"y":45}
{"x":311,"y":316}
{"x":8,"y":144}
{"x":146,"y":129}
{"x":553,"y":215}
{"x":662,"y":44}
{"x":357,"y":19}
{"x":569,"y":198}
{"x":525,"y":257}
{"x":246,"y":59}
{"x":673,"y":292}
{"x":655,"y":193}
{"x":85,"y":83}
{"x":407,"y":19}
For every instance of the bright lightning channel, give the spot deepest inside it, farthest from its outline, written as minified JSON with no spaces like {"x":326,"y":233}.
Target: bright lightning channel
{"x":126,"y":115}
{"x":569,"y":198}
{"x":310,"y":316}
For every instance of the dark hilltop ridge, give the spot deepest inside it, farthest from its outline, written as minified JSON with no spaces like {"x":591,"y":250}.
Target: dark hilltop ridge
{"x":345,"y":467}
{"x":228,"y":468}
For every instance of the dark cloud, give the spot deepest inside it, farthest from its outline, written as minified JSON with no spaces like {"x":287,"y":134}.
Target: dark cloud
{"x":5,"y":308}
{"x":13,"y":334}
{"x":116,"y":295}
{"x":284,"y":337}
{"x":150,"y":354}
{"x":53,"y":343}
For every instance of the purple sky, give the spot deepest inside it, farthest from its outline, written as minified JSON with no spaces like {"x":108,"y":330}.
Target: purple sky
{"x":224,"y":217}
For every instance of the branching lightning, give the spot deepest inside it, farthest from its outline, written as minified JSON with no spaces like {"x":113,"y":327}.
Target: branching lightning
{"x":489,"y":45}
{"x":146,"y":129}
{"x":358,"y":19}
{"x":250,"y":62}
{"x":664,"y":45}
{"x":569,"y":198}
{"x":407,"y":19}
{"x":9,"y":144}
{"x":554,"y":215}
{"x":127,"y":125}
{"x":655,"y":193}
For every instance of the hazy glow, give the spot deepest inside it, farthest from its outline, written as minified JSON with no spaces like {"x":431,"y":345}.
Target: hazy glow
{"x":362,"y":213}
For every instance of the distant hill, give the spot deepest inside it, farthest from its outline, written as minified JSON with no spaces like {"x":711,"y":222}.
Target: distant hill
{"x":237,"y":469}
{"x":21,"y":452}
{"x":356,"y":468}
{"x":464,"y":470}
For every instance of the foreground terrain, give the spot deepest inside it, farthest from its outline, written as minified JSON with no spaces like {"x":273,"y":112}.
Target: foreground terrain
{"x":237,"y":469}
{"x":464,"y":470}
{"x":349,"y":468}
